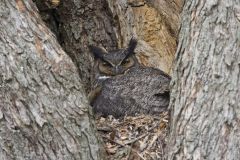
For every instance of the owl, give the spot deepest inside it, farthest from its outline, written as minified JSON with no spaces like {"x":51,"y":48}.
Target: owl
{"x":124,"y":87}
{"x":115,"y":62}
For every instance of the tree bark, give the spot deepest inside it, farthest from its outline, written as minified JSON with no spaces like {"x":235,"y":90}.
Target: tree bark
{"x":43,"y":108}
{"x":84,"y":23}
{"x":205,"y":98}
{"x":155,"y":23}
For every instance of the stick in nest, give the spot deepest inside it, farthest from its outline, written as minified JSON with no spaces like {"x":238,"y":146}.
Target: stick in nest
{"x":143,"y":135}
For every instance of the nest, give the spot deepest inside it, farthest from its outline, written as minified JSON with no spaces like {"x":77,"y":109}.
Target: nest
{"x":141,"y":137}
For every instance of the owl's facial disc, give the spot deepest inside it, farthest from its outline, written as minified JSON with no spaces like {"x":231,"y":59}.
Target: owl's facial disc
{"x":106,"y":68}
{"x":128,"y":63}
{"x":107,"y":64}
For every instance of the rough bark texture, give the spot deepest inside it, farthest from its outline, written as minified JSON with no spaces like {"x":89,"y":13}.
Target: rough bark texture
{"x":43,"y":108}
{"x":205,"y":99}
{"x":83,"y":23}
{"x":155,"y":23}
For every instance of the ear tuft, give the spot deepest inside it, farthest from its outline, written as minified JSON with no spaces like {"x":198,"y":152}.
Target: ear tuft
{"x":132,"y":45}
{"x":98,"y":52}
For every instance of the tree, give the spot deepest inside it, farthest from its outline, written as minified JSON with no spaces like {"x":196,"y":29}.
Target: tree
{"x":43,"y":108}
{"x":205,"y":98}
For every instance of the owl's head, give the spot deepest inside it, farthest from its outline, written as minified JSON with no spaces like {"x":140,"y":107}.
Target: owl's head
{"x":117,"y":61}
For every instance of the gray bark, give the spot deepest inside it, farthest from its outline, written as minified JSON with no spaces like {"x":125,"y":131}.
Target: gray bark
{"x":43,"y":108}
{"x":205,"y":98}
{"x":84,"y":23}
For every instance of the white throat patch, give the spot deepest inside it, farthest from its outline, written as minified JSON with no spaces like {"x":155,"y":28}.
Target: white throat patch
{"x":103,"y":77}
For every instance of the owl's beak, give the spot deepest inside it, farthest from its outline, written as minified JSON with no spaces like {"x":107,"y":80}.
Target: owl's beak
{"x":118,"y":70}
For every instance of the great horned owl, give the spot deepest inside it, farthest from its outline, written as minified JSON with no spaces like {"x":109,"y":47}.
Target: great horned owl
{"x":124,"y":87}
{"x":114,"y":62}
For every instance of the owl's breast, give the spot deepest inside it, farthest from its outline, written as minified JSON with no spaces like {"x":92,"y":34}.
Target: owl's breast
{"x":142,"y":90}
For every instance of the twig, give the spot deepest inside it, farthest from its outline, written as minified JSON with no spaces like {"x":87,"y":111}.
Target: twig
{"x":118,"y":143}
{"x":105,"y":129}
{"x":161,"y":147}
{"x":134,"y":140}
{"x":122,"y":145}
{"x":143,"y":135}
{"x":141,"y":156}
{"x":129,"y":152}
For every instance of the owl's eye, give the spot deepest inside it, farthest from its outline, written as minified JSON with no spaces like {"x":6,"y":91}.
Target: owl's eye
{"x":126,"y":61}
{"x":106,"y":64}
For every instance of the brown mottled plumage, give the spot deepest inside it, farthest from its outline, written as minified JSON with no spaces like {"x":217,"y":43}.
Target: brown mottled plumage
{"x":128,"y":89}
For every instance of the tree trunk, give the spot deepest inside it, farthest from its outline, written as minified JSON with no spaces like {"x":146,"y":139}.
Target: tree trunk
{"x":43,"y":107}
{"x":205,"y":103}
{"x":155,"y":23}
{"x":83,"y":23}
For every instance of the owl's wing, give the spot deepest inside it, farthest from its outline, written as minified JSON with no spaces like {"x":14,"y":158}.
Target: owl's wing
{"x":94,"y":93}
